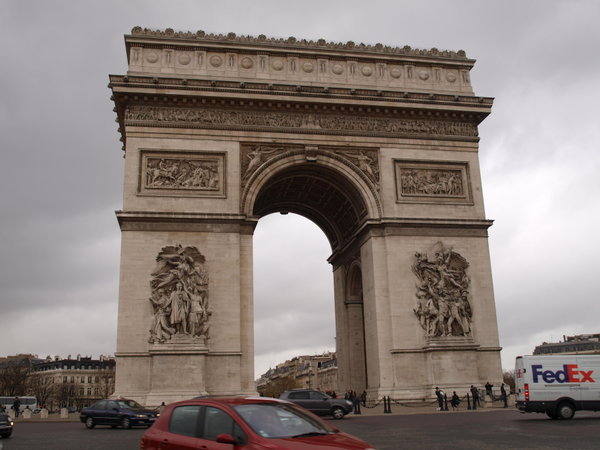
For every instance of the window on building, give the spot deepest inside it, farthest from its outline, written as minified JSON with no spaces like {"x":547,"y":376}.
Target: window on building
{"x":83,"y":379}
{"x":89,"y":379}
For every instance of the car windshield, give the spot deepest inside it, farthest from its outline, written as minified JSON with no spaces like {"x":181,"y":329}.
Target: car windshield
{"x":129,"y":404}
{"x":282,"y":420}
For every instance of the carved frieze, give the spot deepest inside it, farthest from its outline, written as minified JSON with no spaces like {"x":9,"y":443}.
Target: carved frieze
{"x":302,"y":122}
{"x":182,"y":173}
{"x":443,"y":306}
{"x":179,"y":298}
{"x":426,"y":181}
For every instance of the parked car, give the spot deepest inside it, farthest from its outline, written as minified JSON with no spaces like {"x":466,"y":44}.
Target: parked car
{"x":122,"y":412}
{"x":250,"y":423}
{"x":318,"y":402}
{"x":6,"y":425}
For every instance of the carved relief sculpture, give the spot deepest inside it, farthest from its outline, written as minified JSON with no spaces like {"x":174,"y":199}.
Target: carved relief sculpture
{"x":254,"y":157}
{"x":367,"y":162}
{"x":443,"y":306}
{"x":432,"y":182}
{"x":216,"y":118}
{"x":180,"y":173}
{"x":179,"y":296}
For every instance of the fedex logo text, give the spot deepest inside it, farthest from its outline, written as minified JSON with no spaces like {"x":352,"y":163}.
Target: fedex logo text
{"x":569,"y":374}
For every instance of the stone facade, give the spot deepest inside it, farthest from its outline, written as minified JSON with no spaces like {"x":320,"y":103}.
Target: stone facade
{"x":377,"y":145}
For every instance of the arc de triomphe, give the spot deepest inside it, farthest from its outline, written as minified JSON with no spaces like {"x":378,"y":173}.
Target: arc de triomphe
{"x":377,"y":145}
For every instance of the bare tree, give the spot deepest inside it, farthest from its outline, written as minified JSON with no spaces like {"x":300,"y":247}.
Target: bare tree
{"x":106,"y":386}
{"x":65,"y":394}
{"x":509,"y":379}
{"x":41,"y":387}
{"x":277,"y":387}
{"x":13,"y":379}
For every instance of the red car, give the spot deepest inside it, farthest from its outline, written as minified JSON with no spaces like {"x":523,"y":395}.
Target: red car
{"x":243,"y":423}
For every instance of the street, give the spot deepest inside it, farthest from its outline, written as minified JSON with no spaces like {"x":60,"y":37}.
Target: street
{"x":497,"y":429}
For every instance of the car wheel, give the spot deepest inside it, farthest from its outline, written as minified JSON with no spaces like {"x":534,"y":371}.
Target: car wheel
{"x":6,"y":435}
{"x":89,"y":422}
{"x":551,"y":414}
{"x":125,"y":423}
{"x":566,"y":411}
{"x":337,"y":413}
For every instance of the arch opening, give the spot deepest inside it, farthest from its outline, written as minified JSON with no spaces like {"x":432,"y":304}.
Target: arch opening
{"x":294,"y":310}
{"x":318,"y":193}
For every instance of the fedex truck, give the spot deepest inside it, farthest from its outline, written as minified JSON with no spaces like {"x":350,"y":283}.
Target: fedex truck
{"x":557,"y":385}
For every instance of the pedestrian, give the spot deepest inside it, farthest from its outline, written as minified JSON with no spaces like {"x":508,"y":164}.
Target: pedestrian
{"x":475,"y":395}
{"x":440,"y":398}
{"x":363,"y":398}
{"x":455,"y":400}
{"x":17,"y":406}
{"x":489,"y":391}
{"x":503,"y":393}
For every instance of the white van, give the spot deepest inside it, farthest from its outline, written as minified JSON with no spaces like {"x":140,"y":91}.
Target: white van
{"x":557,"y":385}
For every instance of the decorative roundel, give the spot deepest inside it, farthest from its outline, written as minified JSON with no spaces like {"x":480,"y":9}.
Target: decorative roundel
{"x":216,"y":61}
{"x":308,"y":67}
{"x":451,"y":77}
{"x":247,"y":63}
{"x":424,"y":75}
{"x":338,"y":69}
{"x":396,"y":72}
{"x":366,"y":71}
{"x":277,"y":64}
{"x":184,"y":59}
{"x":152,"y":57}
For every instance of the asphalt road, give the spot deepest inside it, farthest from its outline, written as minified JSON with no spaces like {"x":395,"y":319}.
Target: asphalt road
{"x":498,"y":429}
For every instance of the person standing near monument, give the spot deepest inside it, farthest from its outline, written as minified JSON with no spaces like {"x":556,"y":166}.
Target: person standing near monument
{"x":489,"y":391}
{"x":475,"y":395}
{"x":503,"y":394}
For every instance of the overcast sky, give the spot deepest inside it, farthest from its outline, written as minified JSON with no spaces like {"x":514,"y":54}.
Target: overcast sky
{"x":61,"y":169}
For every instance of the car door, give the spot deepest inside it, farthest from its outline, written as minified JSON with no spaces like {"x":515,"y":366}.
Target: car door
{"x":301,"y":398}
{"x":318,"y":403}
{"x":111,"y":414}
{"x":213,"y":422}
{"x":184,"y":429}
{"x":98,"y":412}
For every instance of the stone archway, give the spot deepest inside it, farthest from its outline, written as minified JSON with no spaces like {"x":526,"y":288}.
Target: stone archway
{"x":376,"y":145}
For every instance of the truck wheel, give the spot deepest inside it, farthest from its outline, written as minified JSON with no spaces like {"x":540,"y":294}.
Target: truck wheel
{"x":565,"y":411}
{"x":552,"y":414}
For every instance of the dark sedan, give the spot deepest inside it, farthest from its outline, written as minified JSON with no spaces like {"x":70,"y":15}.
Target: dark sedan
{"x":122,"y":412}
{"x":6,"y":426}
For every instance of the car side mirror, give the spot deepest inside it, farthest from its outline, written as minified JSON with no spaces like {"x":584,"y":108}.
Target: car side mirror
{"x":226,"y":439}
